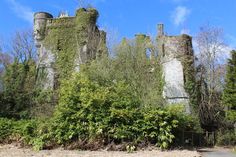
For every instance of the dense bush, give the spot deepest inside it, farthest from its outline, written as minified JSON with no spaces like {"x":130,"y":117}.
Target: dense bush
{"x":18,"y":89}
{"x":90,"y":112}
{"x":6,"y":126}
{"x":21,"y":131}
{"x":226,"y":138}
{"x":132,"y":66}
{"x":187,"y":124}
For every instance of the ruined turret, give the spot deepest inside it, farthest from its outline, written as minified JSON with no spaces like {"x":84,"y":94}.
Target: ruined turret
{"x":176,"y":55}
{"x":45,"y":57}
{"x":145,"y":42}
{"x":40,"y":24}
{"x":64,"y":43}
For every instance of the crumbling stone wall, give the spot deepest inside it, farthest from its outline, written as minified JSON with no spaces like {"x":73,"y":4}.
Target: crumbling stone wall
{"x":145,"y":42}
{"x":64,"y":43}
{"x":177,"y":58}
{"x":175,"y":54}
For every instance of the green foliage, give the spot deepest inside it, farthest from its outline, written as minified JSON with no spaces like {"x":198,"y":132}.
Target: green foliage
{"x":5,"y":128}
{"x":226,"y":138}
{"x":17,"y":95}
{"x":61,"y":41}
{"x":111,"y":100}
{"x":85,"y":106}
{"x":186,"y":122}
{"x":44,"y":103}
{"x":190,"y":83}
{"x":229,"y":95}
{"x":158,"y":126}
{"x":132,"y":66}
{"x":23,"y":130}
{"x":91,"y":112}
{"x":67,"y":37}
{"x":86,"y":18}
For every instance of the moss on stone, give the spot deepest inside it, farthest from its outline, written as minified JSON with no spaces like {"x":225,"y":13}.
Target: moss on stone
{"x":66,"y":37}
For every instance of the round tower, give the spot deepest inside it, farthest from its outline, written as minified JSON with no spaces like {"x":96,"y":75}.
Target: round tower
{"x":40,"y":22}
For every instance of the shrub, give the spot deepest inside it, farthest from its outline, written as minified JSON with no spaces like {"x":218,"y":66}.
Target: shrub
{"x":91,"y":112}
{"x":5,"y":128}
{"x":226,"y":138}
{"x":158,"y":127}
{"x":18,"y":89}
{"x":23,"y":131}
{"x":86,"y":110}
{"x":187,"y":124}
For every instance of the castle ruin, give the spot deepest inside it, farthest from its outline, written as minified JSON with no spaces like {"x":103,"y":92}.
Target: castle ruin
{"x":71,"y":40}
{"x":176,"y":53}
{"x":77,"y":40}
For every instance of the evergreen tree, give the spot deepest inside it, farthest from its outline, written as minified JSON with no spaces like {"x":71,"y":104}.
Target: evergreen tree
{"x":229,"y":96}
{"x":18,"y":89}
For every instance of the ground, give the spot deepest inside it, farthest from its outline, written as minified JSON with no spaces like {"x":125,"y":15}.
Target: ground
{"x":217,"y":152}
{"x":14,"y":151}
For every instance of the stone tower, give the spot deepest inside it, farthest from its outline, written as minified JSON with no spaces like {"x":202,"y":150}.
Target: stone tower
{"x":176,"y":55}
{"x":64,"y":43}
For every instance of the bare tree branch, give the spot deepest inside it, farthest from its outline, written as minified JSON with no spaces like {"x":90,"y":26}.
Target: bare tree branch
{"x":210,"y":44}
{"x":22,"y":45}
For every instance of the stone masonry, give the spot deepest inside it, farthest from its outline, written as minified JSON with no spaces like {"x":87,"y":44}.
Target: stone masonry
{"x":173,"y":51}
{"x":78,"y":36}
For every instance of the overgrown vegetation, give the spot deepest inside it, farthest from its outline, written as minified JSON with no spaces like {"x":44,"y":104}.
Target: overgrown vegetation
{"x":17,"y":99}
{"x":227,"y":135}
{"x":229,"y":95}
{"x":106,"y":114}
{"x":90,"y":116}
{"x":112,"y":100}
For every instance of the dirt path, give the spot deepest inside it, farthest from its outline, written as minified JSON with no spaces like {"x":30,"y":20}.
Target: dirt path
{"x":13,"y":151}
{"x":217,"y":152}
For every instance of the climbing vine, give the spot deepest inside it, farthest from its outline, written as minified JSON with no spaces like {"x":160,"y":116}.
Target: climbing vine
{"x":66,"y":37}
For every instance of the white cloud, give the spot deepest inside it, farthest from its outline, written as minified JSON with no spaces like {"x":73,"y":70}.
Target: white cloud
{"x":21,"y":11}
{"x":179,"y":15}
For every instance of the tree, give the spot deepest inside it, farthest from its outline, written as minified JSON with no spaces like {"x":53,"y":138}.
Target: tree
{"x":18,"y":79}
{"x":131,"y":65}
{"x":211,"y":46}
{"x":22,"y":46}
{"x":18,"y":89}
{"x":229,"y":96}
{"x":5,"y":59}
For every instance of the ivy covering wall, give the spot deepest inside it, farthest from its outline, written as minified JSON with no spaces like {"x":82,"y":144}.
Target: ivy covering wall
{"x":72,"y":41}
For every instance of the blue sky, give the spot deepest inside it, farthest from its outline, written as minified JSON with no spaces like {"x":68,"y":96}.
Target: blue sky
{"x":125,"y":18}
